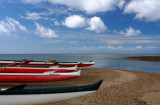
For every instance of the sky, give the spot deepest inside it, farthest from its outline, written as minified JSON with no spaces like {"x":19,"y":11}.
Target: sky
{"x":79,"y":26}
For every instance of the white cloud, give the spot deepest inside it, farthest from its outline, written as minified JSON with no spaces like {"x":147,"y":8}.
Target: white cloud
{"x":36,"y":15}
{"x":45,"y":32}
{"x":89,"y":6}
{"x":130,"y":32}
{"x":91,"y":24}
{"x":75,"y":21}
{"x":56,"y":23}
{"x":138,"y":47}
{"x":32,"y":1}
{"x":109,"y":48}
{"x":9,"y":25}
{"x":144,"y":9}
{"x":33,"y":16}
{"x":96,"y":24}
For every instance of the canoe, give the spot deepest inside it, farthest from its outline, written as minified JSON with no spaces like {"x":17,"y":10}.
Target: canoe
{"x":63,"y":64}
{"x":36,"y":70}
{"x":31,"y":63}
{"x":19,"y":95}
{"x":37,"y":77}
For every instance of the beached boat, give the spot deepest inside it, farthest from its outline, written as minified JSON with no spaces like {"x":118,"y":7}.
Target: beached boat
{"x":62,"y":64}
{"x":19,"y":95}
{"x":31,"y":63}
{"x":36,"y":70}
{"x":37,"y":77}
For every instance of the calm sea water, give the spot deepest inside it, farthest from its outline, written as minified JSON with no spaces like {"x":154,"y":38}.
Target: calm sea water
{"x":114,"y":61}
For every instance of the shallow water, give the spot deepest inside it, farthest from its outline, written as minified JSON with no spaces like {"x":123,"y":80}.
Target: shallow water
{"x":114,"y":61}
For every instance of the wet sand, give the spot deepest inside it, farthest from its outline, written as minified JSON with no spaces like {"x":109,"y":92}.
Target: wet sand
{"x":120,"y":87}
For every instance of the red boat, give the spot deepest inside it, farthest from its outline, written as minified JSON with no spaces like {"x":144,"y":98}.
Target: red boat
{"x":61,"y":64}
{"x":37,"y":77}
{"x":31,"y":63}
{"x":35,"y":70}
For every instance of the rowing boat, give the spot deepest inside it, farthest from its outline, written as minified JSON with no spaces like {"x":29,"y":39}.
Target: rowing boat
{"x":19,"y":95}
{"x":36,"y":70}
{"x":37,"y":77}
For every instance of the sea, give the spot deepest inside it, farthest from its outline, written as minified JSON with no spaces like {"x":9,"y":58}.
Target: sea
{"x":113,"y":61}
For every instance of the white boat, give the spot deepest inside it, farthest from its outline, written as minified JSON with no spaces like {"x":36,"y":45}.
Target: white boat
{"x":32,"y":96}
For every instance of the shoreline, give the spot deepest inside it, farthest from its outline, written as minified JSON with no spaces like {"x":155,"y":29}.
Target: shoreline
{"x":119,"y":87}
{"x":144,"y":58}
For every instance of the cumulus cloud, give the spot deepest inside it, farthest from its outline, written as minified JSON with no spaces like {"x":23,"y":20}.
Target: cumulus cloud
{"x":144,"y":9}
{"x":96,"y":24}
{"x":75,"y":21}
{"x":91,"y":24}
{"x":89,"y":6}
{"x":45,"y":32}
{"x":9,"y":25}
{"x":130,"y":32}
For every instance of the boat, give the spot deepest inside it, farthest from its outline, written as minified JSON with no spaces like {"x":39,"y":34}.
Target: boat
{"x":10,"y":63}
{"x":36,"y":70}
{"x":32,"y":63}
{"x":19,"y":95}
{"x":62,"y":64}
{"x":37,"y":77}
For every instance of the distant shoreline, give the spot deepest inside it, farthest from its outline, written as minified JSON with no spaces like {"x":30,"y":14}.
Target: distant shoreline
{"x":144,"y":58}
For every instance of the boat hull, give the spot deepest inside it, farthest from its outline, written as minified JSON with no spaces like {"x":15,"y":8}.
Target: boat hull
{"x":59,"y":64}
{"x":37,"y":77}
{"x":18,"y":95}
{"x":31,"y":63}
{"x":34,"y":78}
{"x":31,"y":70}
{"x":39,"y":98}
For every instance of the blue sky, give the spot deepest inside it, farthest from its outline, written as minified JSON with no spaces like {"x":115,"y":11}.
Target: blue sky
{"x":80,"y":26}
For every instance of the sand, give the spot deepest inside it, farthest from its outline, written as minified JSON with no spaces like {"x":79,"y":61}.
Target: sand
{"x":120,"y":87}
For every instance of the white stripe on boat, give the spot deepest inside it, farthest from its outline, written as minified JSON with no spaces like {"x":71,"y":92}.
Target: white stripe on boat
{"x":39,"y":98}
{"x":50,"y":68}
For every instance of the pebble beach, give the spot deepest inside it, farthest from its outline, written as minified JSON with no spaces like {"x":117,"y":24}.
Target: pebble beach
{"x":119,"y":87}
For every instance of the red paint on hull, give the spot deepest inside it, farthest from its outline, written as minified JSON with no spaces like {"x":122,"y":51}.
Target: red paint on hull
{"x":83,"y":65}
{"x":34,"y":78}
{"x":14,"y":70}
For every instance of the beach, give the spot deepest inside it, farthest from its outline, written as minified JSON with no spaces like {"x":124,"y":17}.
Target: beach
{"x":119,"y":87}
